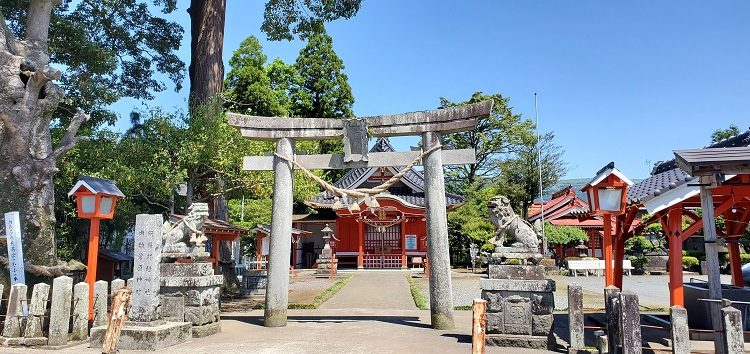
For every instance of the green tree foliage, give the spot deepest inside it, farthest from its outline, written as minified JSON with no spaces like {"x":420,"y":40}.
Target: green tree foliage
{"x":721,"y":134}
{"x":109,"y":50}
{"x":494,"y":139}
{"x":283,"y":19}
{"x":248,"y":86}
{"x":519,"y":175}
{"x":564,"y":235}
{"x":322,"y":89}
{"x":470,"y":223}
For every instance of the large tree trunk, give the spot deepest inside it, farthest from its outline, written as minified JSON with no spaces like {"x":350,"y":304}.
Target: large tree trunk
{"x":28,"y":98}
{"x":206,"y":47}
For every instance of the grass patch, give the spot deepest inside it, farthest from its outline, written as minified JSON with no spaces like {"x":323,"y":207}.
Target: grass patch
{"x":463,"y":308}
{"x":323,"y":296}
{"x":416,"y":294}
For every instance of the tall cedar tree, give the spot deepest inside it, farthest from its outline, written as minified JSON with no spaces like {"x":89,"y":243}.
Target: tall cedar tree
{"x":109,"y":49}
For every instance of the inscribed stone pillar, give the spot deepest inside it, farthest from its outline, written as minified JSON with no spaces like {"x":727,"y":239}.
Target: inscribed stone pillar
{"x":80,"y":311}
{"x":611,"y":309}
{"x":100,"y":303}
{"x":735,"y":341}
{"x":441,"y":292}
{"x":117,"y":284}
{"x":62,"y":292}
{"x":14,"y":314}
{"x":680,"y":333}
{"x":575,"y":316}
{"x":630,"y":323}
{"x":146,"y":281}
{"x":277,"y":288}
{"x":37,"y":309}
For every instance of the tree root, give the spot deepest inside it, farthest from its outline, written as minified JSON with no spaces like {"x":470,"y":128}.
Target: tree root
{"x":43,"y":271}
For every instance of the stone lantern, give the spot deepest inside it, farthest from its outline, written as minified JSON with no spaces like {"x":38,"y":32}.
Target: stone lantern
{"x":327,"y":261}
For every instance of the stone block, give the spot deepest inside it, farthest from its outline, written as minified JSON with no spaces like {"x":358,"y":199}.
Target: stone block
{"x":630,"y":323}
{"x":575,"y":316}
{"x":117,"y":284}
{"x":186,"y":269}
{"x":542,"y":303}
{"x":14,"y":313}
{"x":531,"y":342}
{"x":100,"y":303}
{"x":611,"y":310}
{"x":37,"y":310}
{"x":206,"y":330}
{"x":494,"y":301}
{"x":546,"y":285}
{"x":62,"y":294}
{"x":80,"y":312}
{"x":146,"y":278}
{"x":526,"y":272}
{"x":494,"y":322}
{"x":202,"y":314}
{"x":541,"y":325}
{"x":735,"y":341}
{"x":173,"y":308}
{"x":146,"y":336}
{"x":679,"y":331}
{"x":192,"y":282}
{"x":517,"y":315}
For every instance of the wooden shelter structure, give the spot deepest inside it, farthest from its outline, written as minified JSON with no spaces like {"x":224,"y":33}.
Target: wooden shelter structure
{"x":563,"y":209}
{"x":716,"y":179}
{"x":262,"y":242}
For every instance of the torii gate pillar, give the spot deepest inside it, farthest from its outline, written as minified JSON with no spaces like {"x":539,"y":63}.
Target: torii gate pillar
{"x":441,"y":295}
{"x":277,"y":287}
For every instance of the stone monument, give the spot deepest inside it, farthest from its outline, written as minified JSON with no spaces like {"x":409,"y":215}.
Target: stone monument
{"x":519,"y":298}
{"x":145,"y":329}
{"x":190,"y":290}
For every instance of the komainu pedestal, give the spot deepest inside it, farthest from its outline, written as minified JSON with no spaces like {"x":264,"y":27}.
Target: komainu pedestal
{"x":200,"y":289}
{"x":520,"y":302}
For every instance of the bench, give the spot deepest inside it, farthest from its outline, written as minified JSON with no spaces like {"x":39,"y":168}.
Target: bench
{"x":595,"y":266}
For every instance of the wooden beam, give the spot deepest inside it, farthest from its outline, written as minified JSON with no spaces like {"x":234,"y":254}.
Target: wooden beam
{"x":447,"y":120}
{"x":375,"y":159}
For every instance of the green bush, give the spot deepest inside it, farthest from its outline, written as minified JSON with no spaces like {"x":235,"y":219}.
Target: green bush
{"x":638,"y":261}
{"x":689,"y":262}
{"x":488,"y":247}
{"x":513,"y":261}
{"x":744,"y":258}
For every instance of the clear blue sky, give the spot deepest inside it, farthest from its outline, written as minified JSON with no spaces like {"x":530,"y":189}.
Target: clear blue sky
{"x":617,"y":81}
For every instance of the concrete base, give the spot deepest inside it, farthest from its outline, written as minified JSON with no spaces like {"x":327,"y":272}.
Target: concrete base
{"x":146,"y":336}
{"x":11,"y":342}
{"x":35,"y":342}
{"x":583,"y":351}
{"x":206,"y":330}
{"x":532,"y":342}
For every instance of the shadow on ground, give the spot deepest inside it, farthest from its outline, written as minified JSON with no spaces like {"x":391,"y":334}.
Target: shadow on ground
{"x":411,"y":321}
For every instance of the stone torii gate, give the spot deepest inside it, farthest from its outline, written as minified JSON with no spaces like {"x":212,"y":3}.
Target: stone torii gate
{"x":355,"y":132}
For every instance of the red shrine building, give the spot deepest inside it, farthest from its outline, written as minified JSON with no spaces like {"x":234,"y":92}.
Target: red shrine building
{"x":388,"y":233}
{"x":563,"y":210}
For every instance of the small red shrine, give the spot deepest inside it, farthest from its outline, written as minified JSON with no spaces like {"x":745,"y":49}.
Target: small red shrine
{"x":387,"y":234}
{"x":563,"y":209}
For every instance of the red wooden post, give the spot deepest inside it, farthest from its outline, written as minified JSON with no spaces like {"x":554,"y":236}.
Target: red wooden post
{"x":609,"y":275}
{"x":619,"y":255}
{"x":258,"y":250}
{"x":215,"y":250}
{"x":673,"y":230}
{"x":93,"y":257}
{"x":361,"y":256}
{"x":735,"y":263}
{"x":403,"y":244}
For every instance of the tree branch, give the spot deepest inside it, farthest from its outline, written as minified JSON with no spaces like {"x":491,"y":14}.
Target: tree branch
{"x":140,"y":194}
{"x":70,"y":139}
{"x":7,"y":40}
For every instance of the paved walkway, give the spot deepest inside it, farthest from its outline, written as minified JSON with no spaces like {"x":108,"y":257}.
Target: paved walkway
{"x":324,"y":332}
{"x":374,"y":290}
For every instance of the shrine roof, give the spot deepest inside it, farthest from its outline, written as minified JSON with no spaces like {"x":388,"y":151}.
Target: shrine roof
{"x":97,"y":185}
{"x":564,"y":202}
{"x":115,"y":255}
{"x":414,"y":179}
{"x":266,"y":229}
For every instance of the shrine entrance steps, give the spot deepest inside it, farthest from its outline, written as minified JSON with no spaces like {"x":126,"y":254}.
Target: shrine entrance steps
{"x":374,"y":290}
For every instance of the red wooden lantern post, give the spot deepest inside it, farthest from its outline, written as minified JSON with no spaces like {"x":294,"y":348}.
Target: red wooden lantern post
{"x":95,"y":200}
{"x":607,"y":194}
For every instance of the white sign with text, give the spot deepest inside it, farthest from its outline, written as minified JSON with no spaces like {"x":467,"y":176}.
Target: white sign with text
{"x":15,"y":248}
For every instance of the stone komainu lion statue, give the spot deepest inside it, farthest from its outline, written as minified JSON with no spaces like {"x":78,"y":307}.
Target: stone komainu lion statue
{"x":187,"y":235}
{"x":509,"y":227}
